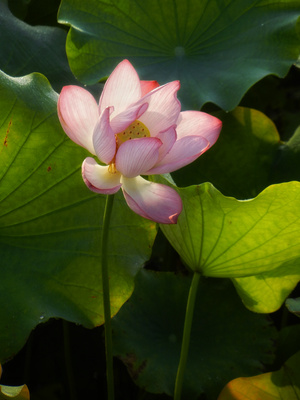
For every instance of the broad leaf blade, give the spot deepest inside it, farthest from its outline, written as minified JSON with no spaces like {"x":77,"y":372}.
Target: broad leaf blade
{"x":226,"y":340}
{"x":217,"y":49}
{"x":14,"y":392}
{"x":25,"y":49}
{"x":278,"y":385}
{"x":50,"y":223}
{"x":223,"y":237}
{"x":266,"y":292}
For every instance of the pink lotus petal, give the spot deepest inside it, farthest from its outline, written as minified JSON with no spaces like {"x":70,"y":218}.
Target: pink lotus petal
{"x":104,"y":138}
{"x":164,"y":108}
{"x":98,"y":179}
{"x":125,"y":118}
{"x":147,"y":86}
{"x":184,"y":151}
{"x":121,"y":89}
{"x":151,"y":200}
{"x":78,"y":114}
{"x":168,"y":138}
{"x":136,"y":156}
{"x":197,"y":123}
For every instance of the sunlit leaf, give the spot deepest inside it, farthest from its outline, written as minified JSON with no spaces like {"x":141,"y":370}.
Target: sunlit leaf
{"x":224,"y":237}
{"x":227,"y":340}
{"x":14,"y":392}
{"x":279,"y":385}
{"x":50,"y":223}
{"x":266,"y":292}
{"x":218,"y":49}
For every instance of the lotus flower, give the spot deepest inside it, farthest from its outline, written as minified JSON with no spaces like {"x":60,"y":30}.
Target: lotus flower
{"x":137,"y":129}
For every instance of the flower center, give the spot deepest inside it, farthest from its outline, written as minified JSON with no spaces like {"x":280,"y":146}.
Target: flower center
{"x":134,"y":131}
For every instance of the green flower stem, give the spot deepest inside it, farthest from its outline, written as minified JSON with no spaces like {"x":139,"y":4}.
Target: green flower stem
{"x":186,"y":335}
{"x":106,"y":297}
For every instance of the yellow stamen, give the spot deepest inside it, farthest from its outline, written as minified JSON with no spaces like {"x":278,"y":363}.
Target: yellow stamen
{"x":112,"y":168}
{"x":134,"y":131}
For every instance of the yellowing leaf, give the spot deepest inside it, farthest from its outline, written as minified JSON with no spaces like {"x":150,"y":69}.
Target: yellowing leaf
{"x":14,"y":392}
{"x":279,"y":385}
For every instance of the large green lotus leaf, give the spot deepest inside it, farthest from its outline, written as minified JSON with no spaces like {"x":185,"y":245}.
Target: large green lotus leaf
{"x":226,"y":341}
{"x":13,"y":392}
{"x":220,"y":236}
{"x":218,"y":49}
{"x":278,"y":385}
{"x":223,"y":237}
{"x":50,"y":223}
{"x":266,"y":292}
{"x":25,"y":49}
{"x":240,"y":162}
